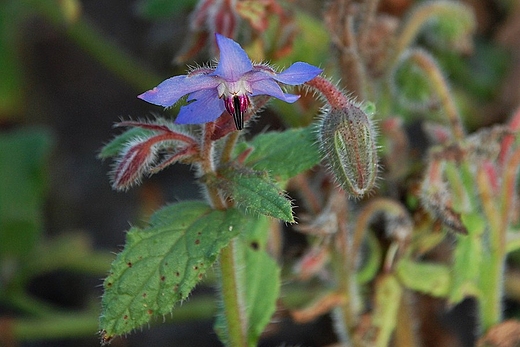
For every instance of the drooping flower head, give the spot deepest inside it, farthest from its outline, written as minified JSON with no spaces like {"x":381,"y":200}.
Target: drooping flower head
{"x":227,"y":87}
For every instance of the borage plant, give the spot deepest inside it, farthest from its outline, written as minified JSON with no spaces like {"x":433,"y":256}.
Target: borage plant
{"x":372,"y":255}
{"x":244,"y":184}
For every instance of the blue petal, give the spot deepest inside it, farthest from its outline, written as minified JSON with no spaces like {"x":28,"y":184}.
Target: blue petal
{"x":171,"y":90}
{"x":298,"y":73}
{"x":270,"y":87}
{"x":233,"y":62}
{"x":205,"y":107}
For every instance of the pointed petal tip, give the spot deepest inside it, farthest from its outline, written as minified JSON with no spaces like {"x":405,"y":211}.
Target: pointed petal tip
{"x":233,"y":62}
{"x":290,"y":98}
{"x":149,"y":96}
{"x":298,"y":73}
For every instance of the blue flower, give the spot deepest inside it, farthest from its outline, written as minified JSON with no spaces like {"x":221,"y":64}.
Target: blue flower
{"x":229,"y":86}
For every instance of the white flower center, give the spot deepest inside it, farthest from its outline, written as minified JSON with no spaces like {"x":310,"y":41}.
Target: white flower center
{"x":237,"y":88}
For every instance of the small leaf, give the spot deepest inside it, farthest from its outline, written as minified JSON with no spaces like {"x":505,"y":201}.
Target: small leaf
{"x":161,"y":264}
{"x":116,"y":145}
{"x":284,"y":154}
{"x":254,"y":191}
{"x":428,"y":278}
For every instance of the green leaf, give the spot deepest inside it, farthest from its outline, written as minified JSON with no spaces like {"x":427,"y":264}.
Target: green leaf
{"x":260,"y":276}
{"x":283,"y":154}
{"x":468,"y":259}
{"x":161,"y":264}
{"x":23,"y":179}
{"x":428,"y":278}
{"x":412,"y":87}
{"x":254,"y":191}
{"x":118,"y":143}
{"x":155,"y":9}
{"x":262,"y":282}
{"x":388,"y":300}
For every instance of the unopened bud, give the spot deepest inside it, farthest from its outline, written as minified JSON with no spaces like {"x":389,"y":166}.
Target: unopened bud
{"x":348,"y":142}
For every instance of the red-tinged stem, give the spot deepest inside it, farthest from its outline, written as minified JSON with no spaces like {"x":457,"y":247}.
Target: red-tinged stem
{"x":206,"y":151}
{"x":335,"y":97}
{"x":507,"y":142}
{"x":509,"y":187}
{"x":227,"y":152}
{"x":435,"y":172}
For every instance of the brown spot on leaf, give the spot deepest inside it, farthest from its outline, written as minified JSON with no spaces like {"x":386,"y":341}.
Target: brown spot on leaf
{"x":129,"y":264}
{"x":105,"y":339}
{"x":125,"y":316}
{"x":196,"y":268}
{"x":163,"y":278}
{"x":144,"y":295}
{"x":150,"y":312}
{"x":255,"y":246}
{"x":200,"y":276}
{"x":197,"y":241}
{"x":177,"y":274}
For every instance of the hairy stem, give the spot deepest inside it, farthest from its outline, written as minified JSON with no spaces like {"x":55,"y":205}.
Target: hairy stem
{"x":232,"y":295}
{"x":229,"y":146}
{"x":416,"y":20}
{"x":335,"y":97}
{"x":440,"y":85}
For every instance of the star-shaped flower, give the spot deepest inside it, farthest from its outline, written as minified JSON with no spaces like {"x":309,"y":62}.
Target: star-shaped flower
{"x":229,"y":86}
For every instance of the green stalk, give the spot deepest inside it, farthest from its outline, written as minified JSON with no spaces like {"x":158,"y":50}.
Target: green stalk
{"x":344,"y":266}
{"x":232,"y":295}
{"x":492,"y":283}
{"x":93,"y":41}
{"x":440,"y":85}
{"x":416,"y":21}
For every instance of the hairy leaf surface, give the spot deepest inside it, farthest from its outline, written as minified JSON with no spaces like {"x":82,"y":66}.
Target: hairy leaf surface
{"x":161,"y":264}
{"x":284,"y":154}
{"x":255,"y":191}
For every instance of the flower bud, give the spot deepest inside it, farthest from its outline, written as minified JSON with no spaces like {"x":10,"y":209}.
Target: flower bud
{"x":348,"y":142}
